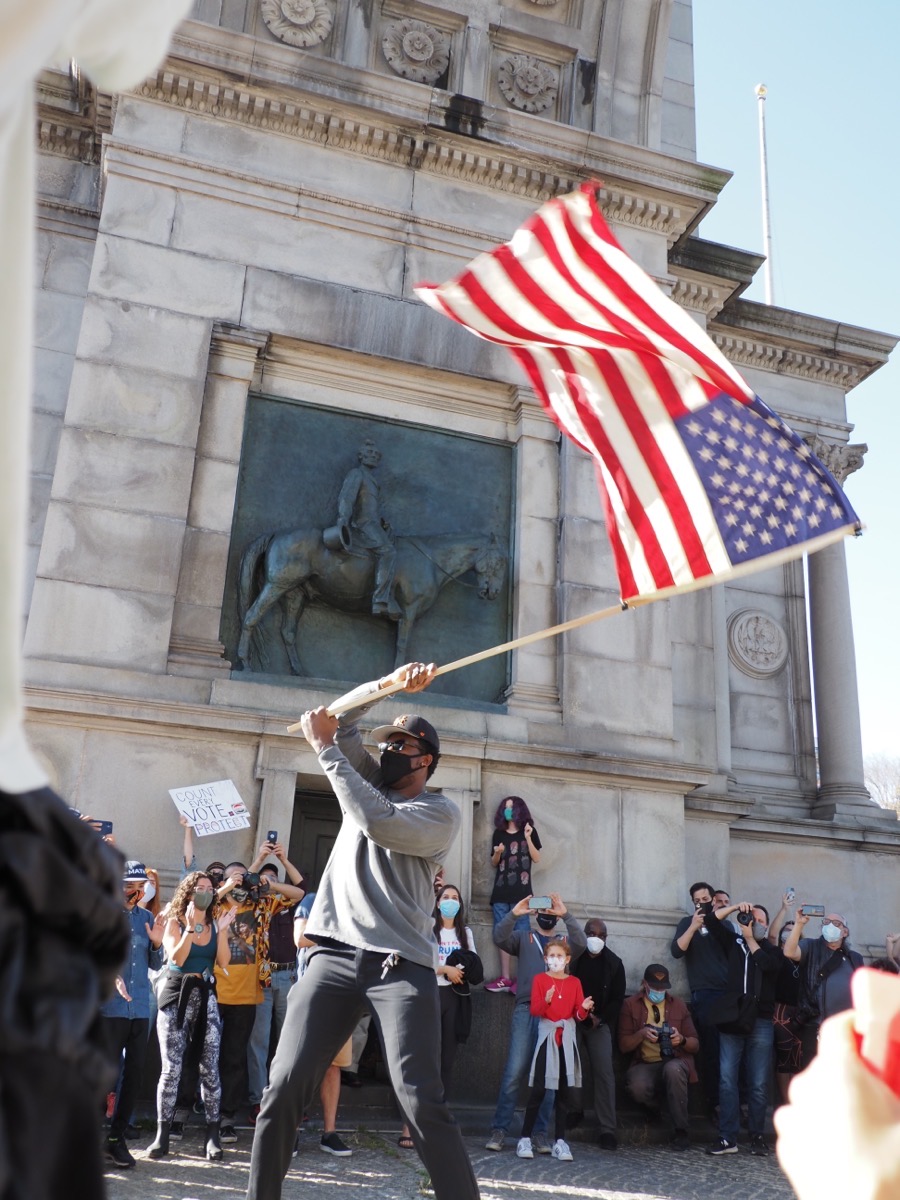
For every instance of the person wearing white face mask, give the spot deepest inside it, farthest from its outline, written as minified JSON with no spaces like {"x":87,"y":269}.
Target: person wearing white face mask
{"x":558,"y":1002}
{"x":827,"y":964}
{"x":602,"y":976}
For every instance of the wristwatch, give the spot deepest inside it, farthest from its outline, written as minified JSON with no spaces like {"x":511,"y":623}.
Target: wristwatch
{"x":198,"y":928}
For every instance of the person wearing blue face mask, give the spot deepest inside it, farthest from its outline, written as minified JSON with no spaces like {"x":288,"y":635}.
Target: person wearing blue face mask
{"x":656,"y":1030}
{"x":826,"y":966}
{"x":459,"y":967}
{"x":515,"y":849}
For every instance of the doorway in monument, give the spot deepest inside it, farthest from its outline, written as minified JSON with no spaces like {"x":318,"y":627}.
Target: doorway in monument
{"x":317,"y":819}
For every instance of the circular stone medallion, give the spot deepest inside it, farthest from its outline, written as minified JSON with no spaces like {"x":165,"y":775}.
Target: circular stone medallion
{"x":302,"y":23}
{"x":756,"y":643}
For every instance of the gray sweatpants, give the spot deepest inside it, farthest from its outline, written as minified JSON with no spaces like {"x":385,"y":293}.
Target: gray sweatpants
{"x":323,"y":1009}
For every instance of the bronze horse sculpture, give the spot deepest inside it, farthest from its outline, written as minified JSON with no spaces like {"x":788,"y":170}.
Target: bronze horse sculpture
{"x":295,"y":568}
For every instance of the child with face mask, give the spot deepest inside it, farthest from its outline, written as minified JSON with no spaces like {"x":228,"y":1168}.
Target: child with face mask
{"x":557,"y":999}
{"x":515,"y":848}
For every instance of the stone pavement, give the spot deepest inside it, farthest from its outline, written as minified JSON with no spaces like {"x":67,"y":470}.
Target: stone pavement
{"x":379,"y":1170}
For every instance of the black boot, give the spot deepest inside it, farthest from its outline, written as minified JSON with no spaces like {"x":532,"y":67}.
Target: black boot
{"x":160,"y":1147}
{"x":213,"y":1144}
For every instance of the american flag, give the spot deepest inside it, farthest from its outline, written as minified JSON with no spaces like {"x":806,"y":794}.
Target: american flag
{"x":700,"y":481}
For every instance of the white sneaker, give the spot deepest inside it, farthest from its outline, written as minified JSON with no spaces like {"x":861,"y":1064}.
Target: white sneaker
{"x":524,"y":1150}
{"x":561,"y":1151}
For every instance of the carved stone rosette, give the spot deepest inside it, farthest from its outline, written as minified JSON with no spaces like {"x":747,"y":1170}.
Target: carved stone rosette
{"x":840,"y":458}
{"x":302,"y":23}
{"x":757,"y":644}
{"x":527,"y":83}
{"x":416,"y":50}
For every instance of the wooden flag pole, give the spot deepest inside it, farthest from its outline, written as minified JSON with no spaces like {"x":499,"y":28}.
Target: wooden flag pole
{"x":351,"y":699}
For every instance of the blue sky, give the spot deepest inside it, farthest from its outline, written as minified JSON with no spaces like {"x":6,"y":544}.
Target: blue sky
{"x":831,"y":121}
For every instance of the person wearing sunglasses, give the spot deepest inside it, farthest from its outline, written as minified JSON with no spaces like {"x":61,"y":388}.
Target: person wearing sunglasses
{"x":374,"y":949}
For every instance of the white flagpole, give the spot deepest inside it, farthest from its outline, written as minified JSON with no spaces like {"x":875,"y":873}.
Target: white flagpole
{"x":761,"y":93}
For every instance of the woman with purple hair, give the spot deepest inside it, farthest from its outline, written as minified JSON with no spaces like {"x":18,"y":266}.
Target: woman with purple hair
{"x":515,"y":848}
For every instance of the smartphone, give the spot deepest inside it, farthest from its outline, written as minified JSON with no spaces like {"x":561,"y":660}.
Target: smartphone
{"x":790,"y":895}
{"x":813,"y":910}
{"x":540,"y":902}
{"x":272,"y":836}
{"x":104,"y":828}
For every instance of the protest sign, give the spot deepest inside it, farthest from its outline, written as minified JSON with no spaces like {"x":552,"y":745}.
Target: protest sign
{"x":211,"y":807}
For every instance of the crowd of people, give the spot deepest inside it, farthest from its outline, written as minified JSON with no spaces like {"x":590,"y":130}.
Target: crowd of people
{"x":243,"y":961}
{"x":760,"y":990}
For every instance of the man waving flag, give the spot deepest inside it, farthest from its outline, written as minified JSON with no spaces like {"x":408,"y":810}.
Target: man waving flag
{"x":700,"y":481}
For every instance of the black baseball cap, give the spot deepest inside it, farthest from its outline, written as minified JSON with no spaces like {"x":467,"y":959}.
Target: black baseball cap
{"x":415,"y":726}
{"x":658,"y":976}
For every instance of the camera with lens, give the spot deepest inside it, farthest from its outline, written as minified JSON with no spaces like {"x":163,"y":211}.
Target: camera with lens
{"x":248,"y":888}
{"x":745,"y":918}
{"x":666,"y":1049}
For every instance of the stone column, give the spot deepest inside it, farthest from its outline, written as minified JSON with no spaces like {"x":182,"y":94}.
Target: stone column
{"x":842,"y":790}
{"x":194,"y":646}
{"x":534,"y":688}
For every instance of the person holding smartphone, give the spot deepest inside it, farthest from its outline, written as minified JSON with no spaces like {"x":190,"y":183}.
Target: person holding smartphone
{"x":527,"y":946}
{"x":827,"y":964}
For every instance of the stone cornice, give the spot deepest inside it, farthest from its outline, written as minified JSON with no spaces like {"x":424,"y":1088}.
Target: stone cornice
{"x":480,"y":162}
{"x":234,"y":77}
{"x":73,"y":116}
{"x":850,"y":835}
{"x":793,"y":343}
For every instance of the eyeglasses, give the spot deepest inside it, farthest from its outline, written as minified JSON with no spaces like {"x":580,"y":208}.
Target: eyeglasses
{"x":657,"y":1018}
{"x":402,"y":747}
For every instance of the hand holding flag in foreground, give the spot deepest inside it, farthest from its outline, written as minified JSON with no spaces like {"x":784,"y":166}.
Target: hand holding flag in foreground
{"x":700,"y":481}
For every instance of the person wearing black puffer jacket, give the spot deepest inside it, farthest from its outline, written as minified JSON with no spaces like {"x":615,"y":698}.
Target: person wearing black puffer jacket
{"x":65,"y":937}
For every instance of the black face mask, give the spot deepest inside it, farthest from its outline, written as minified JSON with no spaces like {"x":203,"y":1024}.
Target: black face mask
{"x":546,"y":920}
{"x":706,"y":908}
{"x":394,"y":766}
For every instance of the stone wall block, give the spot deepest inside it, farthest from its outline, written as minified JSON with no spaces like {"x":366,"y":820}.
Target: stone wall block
{"x":272,"y":156}
{"x":141,"y":403}
{"x":137,"y":209}
{"x":586,"y":557}
{"x":111,"y":549}
{"x":538,"y":550}
{"x":539,"y":482}
{"x":357,"y":255}
{"x":38,"y":499}
{"x":618,"y":697}
{"x":153,"y":126}
{"x":222,"y":428}
{"x":203,"y":564}
{"x":153,"y":275}
{"x":124,"y":473}
{"x":198,"y":622}
{"x":68,"y":265}
{"x":370,"y":323}
{"x":45,"y":431}
{"x":52,"y":376}
{"x":579,"y":491}
{"x":156,"y":764}
{"x":81,"y":622}
{"x":212,"y":497}
{"x":653,"y":827}
{"x":130,"y":335}
{"x":57,"y":321}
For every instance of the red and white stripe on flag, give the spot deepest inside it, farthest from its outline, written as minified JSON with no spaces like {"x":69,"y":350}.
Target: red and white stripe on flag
{"x":699,"y":480}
